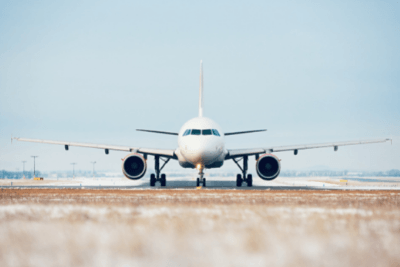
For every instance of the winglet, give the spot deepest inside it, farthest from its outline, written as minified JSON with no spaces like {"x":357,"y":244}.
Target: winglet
{"x":201,"y":90}
{"x":14,"y":138}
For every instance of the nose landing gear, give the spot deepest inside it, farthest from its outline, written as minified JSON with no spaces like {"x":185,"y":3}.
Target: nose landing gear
{"x":156,"y":177}
{"x":239,"y":179}
{"x":201,"y":180}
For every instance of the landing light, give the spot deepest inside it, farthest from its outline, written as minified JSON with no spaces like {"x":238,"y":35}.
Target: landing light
{"x":198,"y":166}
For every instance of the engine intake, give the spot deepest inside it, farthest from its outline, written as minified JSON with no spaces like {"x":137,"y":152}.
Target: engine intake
{"x":268,"y":167}
{"x":134,"y":166}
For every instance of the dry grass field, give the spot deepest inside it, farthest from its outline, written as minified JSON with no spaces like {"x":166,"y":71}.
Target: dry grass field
{"x":78,"y":227}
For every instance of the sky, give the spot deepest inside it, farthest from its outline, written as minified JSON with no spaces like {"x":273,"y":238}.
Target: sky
{"x":95,"y":71}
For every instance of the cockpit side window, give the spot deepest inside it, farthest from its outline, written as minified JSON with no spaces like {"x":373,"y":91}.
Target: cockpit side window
{"x":206,"y":132}
{"x":196,"y":132}
{"x":187,"y":132}
{"x":215,"y":132}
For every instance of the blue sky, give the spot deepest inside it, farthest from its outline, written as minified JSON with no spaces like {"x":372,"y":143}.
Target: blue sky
{"x":92,"y":71}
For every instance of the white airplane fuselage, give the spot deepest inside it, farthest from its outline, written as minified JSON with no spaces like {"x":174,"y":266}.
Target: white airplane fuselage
{"x":201,"y":150}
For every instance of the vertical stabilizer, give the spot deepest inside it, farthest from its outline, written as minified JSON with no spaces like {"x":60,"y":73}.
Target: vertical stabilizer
{"x":201,"y":90}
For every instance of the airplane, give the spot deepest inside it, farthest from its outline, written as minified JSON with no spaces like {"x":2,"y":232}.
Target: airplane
{"x":201,"y":146}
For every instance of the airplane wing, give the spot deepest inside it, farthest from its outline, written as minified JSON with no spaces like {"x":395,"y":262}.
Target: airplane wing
{"x":169,"y":153}
{"x":234,"y":153}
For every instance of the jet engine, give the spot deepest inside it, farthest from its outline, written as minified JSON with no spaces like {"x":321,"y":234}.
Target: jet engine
{"x":268,"y":167}
{"x":134,"y":166}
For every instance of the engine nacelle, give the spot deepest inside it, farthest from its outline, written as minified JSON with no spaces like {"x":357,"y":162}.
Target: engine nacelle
{"x":134,"y":166}
{"x":268,"y":167}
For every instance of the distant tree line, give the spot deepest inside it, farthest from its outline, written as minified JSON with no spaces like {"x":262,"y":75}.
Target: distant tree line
{"x":289,"y":173}
{"x":60,"y":174}
{"x":390,"y":173}
{"x":18,"y":175}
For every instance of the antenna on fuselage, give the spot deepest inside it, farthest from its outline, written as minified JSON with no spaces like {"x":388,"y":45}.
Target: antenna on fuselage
{"x":201,"y":90}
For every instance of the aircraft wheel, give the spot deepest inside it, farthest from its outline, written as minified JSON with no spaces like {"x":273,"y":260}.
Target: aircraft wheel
{"x":152,"y":179}
{"x":163,"y":180}
{"x":239,"y":180}
{"x":198,"y":182}
{"x":249,"y":180}
{"x":204,"y":182}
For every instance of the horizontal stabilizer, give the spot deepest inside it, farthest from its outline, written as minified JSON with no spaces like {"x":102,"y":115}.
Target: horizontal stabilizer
{"x":159,"y":132}
{"x":245,"y":132}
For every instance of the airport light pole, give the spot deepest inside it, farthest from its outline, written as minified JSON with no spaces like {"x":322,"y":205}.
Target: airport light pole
{"x":93,"y":162}
{"x":23,"y":168}
{"x":34,"y":162}
{"x":73,"y":169}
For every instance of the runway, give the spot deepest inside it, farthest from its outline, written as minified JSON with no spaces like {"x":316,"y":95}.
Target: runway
{"x":189,"y":227}
{"x":103,"y":221}
{"x":223,"y":183}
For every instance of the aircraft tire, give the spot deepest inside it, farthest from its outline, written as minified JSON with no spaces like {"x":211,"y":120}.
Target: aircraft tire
{"x":152,"y":179}
{"x":204,"y":182}
{"x":198,"y":182}
{"x":163,"y":180}
{"x":239,"y":180}
{"x":249,"y":180}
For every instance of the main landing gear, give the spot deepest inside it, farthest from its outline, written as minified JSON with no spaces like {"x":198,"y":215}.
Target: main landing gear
{"x":239,"y":178}
{"x":156,"y":177}
{"x":201,"y":180}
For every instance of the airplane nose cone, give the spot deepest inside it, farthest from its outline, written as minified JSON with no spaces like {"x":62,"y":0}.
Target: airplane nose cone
{"x":201,"y":153}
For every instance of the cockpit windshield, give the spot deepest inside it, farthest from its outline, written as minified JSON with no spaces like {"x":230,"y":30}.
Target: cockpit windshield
{"x":196,"y":132}
{"x":206,"y":132}
{"x":201,"y":132}
{"x":215,"y":132}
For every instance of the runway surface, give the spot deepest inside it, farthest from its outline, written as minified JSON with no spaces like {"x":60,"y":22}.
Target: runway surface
{"x":225,"y":183}
{"x":188,"y":227}
{"x":103,"y":221}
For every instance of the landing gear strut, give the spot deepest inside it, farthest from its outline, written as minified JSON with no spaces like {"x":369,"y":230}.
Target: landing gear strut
{"x":156,"y":177}
{"x":239,"y":179}
{"x":201,"y":180}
